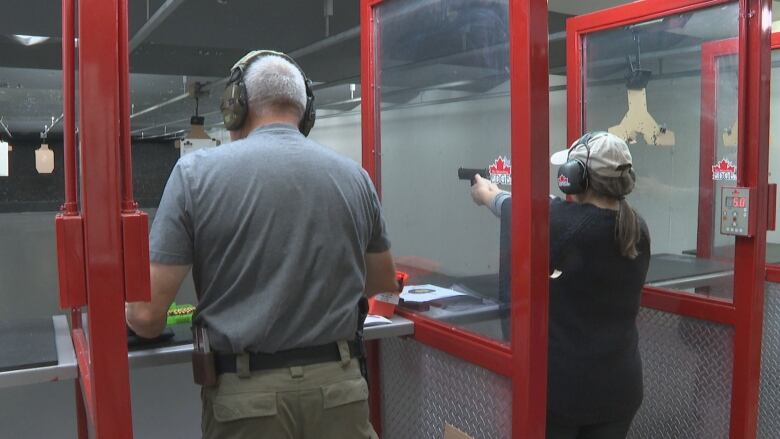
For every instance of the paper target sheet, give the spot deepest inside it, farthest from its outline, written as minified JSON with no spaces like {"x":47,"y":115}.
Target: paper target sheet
{"x":372,"y":320}
{"x":427,"y":293}
{"x":3,"y":159}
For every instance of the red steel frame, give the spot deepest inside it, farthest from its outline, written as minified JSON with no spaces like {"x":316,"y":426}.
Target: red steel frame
{"x":102,"y":247}
{"x":710,"y":53}
{"x":70,"y":207}
{"x":102,"y":356}
{"x":746,"y":313}
{"x":525,"y":361}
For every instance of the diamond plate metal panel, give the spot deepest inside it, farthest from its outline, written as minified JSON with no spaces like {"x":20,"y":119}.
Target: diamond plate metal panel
{"x":423,"y":388}
{"x":769,"y":398}
{"x":687,"y":374}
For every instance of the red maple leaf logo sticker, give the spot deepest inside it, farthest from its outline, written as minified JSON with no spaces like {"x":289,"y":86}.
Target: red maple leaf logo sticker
{"x":563,"y":180}
{"x":724,"y":170}
{"x":500,"y":166}
{"x":724,"y":166}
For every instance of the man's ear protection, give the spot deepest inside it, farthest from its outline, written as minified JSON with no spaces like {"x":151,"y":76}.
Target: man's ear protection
{"x":573,"y":175}
{"x":235,"y":102}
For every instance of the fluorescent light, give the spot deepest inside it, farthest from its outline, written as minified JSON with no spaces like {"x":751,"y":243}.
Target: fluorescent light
{"x":30,"y":40}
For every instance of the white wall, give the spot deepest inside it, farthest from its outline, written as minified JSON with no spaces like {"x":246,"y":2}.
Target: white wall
{"x":429,"y":211}
{"x":340,"y":132}
{"x":666,"y":193}
{"x":432,"y":221}
{"x":668,"y":177}
{"x":423,"y":145}
{"x":430,"y":214}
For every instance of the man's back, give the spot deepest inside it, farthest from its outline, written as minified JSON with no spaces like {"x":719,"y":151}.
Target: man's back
{"x":280,"y":227}
{"x":284,"y":237}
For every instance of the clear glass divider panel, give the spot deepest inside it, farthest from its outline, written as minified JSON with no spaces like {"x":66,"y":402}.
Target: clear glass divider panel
{"x":443,"y":73}
{"x":773,"y":236}
{"x":669,"y":87}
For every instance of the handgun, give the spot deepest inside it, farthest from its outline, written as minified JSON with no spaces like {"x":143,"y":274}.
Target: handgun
{"x":470,"y":173}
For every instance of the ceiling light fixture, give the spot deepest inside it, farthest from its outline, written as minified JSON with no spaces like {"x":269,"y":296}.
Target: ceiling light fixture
{"x":30,"y":40}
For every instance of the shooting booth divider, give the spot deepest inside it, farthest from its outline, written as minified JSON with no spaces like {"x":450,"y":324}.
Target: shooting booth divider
{"x":102,"y":237}
{"x":702,"y":310}
{"x":448,"y":85}
{"x":719,"y":135}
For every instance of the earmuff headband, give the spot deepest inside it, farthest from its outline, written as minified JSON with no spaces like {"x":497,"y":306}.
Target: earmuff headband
{"x":573,"y":175}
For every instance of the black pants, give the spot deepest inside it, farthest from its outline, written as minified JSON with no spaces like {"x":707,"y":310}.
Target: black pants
{"x":609,"y":430}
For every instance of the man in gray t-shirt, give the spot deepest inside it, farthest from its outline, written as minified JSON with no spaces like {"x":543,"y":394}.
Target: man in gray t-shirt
{"x":284,"y":236}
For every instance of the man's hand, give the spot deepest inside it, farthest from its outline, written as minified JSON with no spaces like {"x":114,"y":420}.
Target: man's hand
{"x":483,"y":191}
{"x":148,"y":319}
{"x":380,"y":273}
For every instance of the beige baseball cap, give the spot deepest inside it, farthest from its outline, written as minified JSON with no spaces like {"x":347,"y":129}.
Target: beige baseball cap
{"x":609,"y":155}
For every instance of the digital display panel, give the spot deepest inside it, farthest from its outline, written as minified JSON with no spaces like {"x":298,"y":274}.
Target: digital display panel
{"x":736,"y":202}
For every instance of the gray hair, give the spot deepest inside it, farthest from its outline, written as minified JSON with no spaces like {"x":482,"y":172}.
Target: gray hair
{"x":274,"y":83}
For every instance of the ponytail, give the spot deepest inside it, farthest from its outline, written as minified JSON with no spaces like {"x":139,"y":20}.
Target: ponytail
{"x":627,"y":227}
{"x":627,"y":230}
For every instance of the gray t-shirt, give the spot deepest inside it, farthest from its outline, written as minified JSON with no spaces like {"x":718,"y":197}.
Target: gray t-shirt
{"x":276,"y":228}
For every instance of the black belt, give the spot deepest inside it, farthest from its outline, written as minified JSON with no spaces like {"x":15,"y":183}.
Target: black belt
{"x":226,"y":363}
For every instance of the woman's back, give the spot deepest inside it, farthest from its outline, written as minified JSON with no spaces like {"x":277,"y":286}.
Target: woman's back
{"x":595,"y":372}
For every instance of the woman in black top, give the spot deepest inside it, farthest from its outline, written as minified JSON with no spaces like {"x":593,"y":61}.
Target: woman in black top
{"x":599,"y":255}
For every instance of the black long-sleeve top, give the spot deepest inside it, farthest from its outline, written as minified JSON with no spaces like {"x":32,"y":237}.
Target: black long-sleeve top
{"x":594,"y":366}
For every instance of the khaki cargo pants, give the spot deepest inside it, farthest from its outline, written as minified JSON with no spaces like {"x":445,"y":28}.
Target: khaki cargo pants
{"x":320,"y":401}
